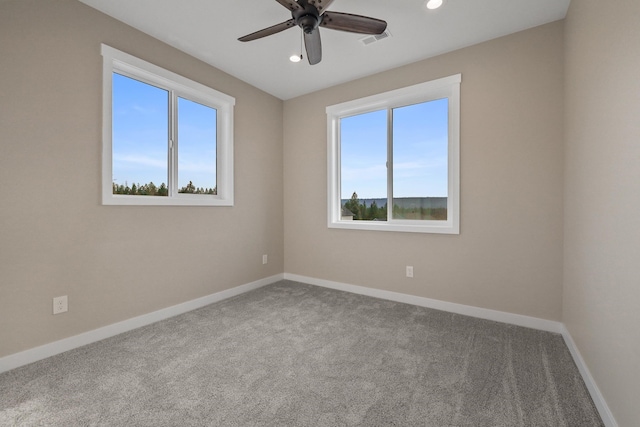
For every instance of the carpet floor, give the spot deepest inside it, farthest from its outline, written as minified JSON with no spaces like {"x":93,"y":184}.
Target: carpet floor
{"x":291,"y":354}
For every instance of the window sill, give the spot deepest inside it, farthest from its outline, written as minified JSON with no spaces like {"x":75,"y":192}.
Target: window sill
{"x":199,"y":200}
{"x":436,"y":227}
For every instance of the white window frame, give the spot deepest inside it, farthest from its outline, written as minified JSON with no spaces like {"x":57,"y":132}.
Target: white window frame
{"x":177,"y":86}
{"x":446,"y":87}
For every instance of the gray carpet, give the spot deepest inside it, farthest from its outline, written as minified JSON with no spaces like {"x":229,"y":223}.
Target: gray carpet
{"x":291,"y":354}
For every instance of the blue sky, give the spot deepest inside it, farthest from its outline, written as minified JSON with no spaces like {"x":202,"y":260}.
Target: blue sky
{"x":420,"y":136}
{"x":197,"y":144}
{"x":140,"y":136}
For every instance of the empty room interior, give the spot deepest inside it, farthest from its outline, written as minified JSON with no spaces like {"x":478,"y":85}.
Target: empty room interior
{"x":270,"y":297}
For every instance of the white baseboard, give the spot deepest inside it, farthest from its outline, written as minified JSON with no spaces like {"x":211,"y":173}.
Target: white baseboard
{"x":467,"y":310}
{"x":482,"y":313}
{"x":16,"y":360}
{"x":22,"y":358}
{"x":596,"y":395}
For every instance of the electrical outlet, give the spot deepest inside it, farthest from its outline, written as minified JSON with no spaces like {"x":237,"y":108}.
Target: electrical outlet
{"x":409,"y":271}
{"x":60,"y":304}
{"x":265,"y":259}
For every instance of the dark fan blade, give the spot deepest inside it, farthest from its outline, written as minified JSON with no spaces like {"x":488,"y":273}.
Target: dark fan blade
{"x":269,"y":31}
{"x":314,"y":46}
{"x":290,"y":4}
{"x":321,"y":5}
{"x":353,"y":23}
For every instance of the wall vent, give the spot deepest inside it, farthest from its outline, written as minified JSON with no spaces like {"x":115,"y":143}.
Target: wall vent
{"x":375,"y":38}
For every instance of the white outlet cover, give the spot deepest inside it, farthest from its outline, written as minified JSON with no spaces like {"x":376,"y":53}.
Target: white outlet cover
{"x":409,"y":271}
{"x":60,"y":304}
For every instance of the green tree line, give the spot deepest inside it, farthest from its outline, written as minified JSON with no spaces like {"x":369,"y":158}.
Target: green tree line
{"x":151,"y":189}
{"x":374,"y":212}
{"x":360,"y":211}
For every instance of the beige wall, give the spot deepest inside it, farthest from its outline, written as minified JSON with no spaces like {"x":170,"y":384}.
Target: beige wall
{"x":508,"y":255}
{"x":602,"y":204}
{"x":522,"y":96}
{"x":114,"y":262}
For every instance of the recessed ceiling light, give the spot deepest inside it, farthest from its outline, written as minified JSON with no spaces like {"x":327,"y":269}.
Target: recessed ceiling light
{"x":295,"y":58}
{"x":433,"y":4}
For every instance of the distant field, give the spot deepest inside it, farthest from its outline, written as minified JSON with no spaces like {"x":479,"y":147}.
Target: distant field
{"x":408,"y":202}
{"x":404,"y":208}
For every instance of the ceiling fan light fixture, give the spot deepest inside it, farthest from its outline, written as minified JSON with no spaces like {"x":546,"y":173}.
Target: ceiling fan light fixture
{"x":295,"y":58}
{"x":433,"y":4}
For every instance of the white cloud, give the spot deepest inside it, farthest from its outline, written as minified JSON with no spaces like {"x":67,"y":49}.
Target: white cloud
{"x":134,"y":159}
{"x":198,"y":167}
{"x":364,"y":174}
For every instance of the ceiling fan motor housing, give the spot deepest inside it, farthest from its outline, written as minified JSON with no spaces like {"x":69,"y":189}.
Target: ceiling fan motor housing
{"x":307,"y":17}
{"x":308,"y":23}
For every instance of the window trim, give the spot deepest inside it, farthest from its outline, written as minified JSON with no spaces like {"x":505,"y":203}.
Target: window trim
{"x":178,"y":86}
{"x":446,"y":87}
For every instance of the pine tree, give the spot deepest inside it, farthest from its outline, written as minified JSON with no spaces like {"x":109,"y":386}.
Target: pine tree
{"x":373,"y":211}
{"x":152,"y":189}
{"x":353,"y":205}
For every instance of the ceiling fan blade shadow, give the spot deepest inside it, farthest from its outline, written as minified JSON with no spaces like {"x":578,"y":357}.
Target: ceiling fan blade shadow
{"x":290,"y":4}
{"x":353,"y":23}
{"x":313,"y":45}
{"x":321,"y":5}
{"x":268,"y":31}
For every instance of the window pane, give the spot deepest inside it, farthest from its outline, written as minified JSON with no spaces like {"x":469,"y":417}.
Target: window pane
{"x":196,"y":148}
{"x":139,"y":137}
{"x":363,"y":155}
{"x":420,"y":160}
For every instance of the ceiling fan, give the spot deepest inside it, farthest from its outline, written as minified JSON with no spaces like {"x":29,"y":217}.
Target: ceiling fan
{"x":309,"y":15}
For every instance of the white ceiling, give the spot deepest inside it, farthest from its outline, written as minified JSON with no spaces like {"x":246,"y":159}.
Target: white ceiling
{"x":209,"y":29}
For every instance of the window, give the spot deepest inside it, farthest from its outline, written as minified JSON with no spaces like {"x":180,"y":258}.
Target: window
{"x":167,"y":140}
{"x":393,"y":160}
